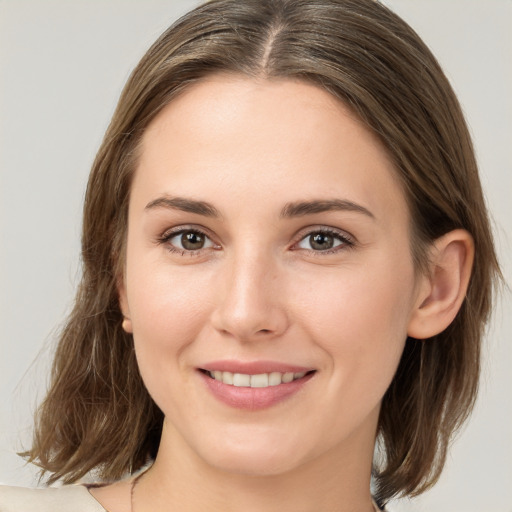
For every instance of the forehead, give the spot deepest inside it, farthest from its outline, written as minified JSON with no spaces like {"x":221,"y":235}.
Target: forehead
{"x":225,"y":101}
{"x":255,"y":136}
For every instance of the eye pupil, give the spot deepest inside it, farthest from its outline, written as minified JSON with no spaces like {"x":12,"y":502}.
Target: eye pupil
{"x":192,"y":241}
{"x":321,"y":241}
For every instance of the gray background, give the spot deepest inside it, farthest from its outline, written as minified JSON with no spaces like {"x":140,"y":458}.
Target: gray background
{"x":62,"y":66}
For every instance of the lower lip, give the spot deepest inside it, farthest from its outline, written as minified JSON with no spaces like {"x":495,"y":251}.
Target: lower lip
{"x":254,"y":399}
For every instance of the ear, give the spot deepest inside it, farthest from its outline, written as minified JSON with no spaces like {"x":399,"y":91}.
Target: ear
{"x":123,"y":304}
{"x":442,"y":291}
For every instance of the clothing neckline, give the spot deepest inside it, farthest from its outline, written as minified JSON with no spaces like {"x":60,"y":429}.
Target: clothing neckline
{"x":89,"y":486}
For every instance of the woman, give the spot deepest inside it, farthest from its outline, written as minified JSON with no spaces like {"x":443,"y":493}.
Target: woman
{"x":286,"y":256}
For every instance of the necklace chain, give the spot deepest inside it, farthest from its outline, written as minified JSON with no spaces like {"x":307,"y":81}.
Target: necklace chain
{"x":132,"y":489}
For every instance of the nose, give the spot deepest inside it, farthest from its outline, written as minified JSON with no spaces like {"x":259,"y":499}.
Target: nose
{"x":251,"y":302}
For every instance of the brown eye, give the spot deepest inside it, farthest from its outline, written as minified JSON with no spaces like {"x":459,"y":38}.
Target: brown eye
{"x":324,"y":241}
{"x":321,"y":241}
{"x":192,"y":241}
{"x":187,"y":240}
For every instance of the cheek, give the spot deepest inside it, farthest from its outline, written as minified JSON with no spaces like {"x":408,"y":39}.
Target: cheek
{"x":165,"y":299}
{"x":359,"y":319}
{"x":167,"y":311}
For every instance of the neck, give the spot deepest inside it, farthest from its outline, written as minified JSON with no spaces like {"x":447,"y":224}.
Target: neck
{"x":180,"y":480}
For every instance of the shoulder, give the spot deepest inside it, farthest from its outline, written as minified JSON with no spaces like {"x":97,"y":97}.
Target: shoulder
{"x":71,"y":498}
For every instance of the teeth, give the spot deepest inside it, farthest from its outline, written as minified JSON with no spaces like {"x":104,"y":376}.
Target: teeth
{"x":287,"y":377}
{"x":274,"y":378}
{"x":241,"y":380}
{"x":261,"y":380}
{"x":227,"y":377}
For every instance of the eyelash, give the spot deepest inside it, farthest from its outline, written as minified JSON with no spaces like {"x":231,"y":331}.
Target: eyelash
{"x":346,"y":241}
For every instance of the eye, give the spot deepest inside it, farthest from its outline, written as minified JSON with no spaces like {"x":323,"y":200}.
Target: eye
{"x":186,"y":240}
{"x":324,"y":240}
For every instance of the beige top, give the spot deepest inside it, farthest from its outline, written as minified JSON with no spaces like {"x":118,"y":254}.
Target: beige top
{"x":70,"y":498}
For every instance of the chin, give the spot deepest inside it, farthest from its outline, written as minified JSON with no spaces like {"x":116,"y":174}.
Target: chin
{"x":255,"y":464}
{"x":265,"y":457}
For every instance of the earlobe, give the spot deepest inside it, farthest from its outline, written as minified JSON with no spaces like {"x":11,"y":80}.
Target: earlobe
{"x":443,"y":290}
{"x":127,"y":325}
{"x":125,"y":310}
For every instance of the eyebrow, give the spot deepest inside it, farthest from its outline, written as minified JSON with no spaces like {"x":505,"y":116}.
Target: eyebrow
{"x":295,"y":209}
{"x":185,"y":205}
{"x":301,"y":208}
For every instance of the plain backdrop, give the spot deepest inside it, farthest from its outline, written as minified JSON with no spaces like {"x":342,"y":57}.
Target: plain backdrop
{"x":62,"y":66}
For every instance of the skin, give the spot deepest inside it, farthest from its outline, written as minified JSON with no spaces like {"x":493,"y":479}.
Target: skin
{"x":258,"y":290}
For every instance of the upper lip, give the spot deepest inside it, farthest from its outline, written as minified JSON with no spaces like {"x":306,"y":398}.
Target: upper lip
{"x":253,"y":367}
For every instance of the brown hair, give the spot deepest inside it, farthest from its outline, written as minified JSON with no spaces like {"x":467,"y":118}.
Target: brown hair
{"x":98,"y":414}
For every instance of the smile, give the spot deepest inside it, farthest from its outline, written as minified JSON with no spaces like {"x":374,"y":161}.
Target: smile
{"x":261,"y":380}
{"x":254,"y":386}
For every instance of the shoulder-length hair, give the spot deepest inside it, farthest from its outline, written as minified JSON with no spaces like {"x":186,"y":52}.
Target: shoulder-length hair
{"x":98,"y":414}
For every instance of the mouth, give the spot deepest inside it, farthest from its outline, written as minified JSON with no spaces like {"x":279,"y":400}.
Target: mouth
{"x":260,"y":380}
{"x":255,"y":386}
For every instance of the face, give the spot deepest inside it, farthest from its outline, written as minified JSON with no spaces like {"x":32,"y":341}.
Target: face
{"x":269,"y":281}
